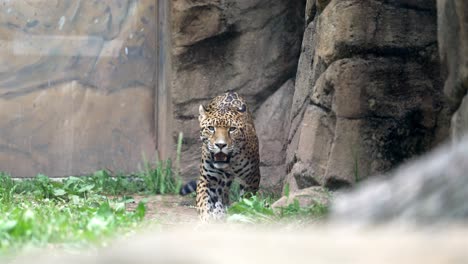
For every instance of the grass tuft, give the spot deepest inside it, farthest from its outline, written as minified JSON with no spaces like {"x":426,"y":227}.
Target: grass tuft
{"x":257,"y":209}
{"x":76,"y":211}
{"x":159,"y":178}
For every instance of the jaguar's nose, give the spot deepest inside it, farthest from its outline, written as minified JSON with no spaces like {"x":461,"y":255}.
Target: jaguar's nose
{"x":221,"y":145}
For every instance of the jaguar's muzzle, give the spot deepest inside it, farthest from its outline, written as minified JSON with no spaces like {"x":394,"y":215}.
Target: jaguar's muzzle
{"x":220,"y":157}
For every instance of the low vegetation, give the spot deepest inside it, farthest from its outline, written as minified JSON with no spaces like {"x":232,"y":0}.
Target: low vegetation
{"x":257,"y":209}
{"x":76,"y":212}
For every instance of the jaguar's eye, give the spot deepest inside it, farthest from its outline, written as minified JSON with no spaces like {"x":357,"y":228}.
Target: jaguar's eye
{"x":211,"y":128}
{"x":232,"y":129}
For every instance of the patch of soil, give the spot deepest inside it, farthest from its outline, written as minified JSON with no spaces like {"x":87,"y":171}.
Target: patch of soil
{"x":167,"y":209}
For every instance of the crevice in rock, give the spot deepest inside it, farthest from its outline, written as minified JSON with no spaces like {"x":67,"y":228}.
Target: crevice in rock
{"x":306,"y":101}
{"x":334,"y":184}
{"x":402,"y":5}
{"x":305,"y":181}
{"x":289,"y":165}
{"x":321,"y":107}
{"x":367,"y":117}
{"x":377,"y":21}
{"x":345,"y":51}
{"x":293,"y":130}
{"x":312,"y":13}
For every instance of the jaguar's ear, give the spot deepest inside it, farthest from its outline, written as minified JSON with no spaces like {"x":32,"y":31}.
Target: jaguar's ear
{"x":202,"y":111}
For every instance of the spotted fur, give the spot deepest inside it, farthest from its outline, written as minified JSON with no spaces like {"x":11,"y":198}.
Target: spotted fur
{"x":229,"y":150}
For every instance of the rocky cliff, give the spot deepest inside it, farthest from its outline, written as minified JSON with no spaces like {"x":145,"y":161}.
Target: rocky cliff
{"x":364,"y":95}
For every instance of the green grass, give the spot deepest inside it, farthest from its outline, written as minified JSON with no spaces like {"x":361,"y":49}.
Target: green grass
{"x":257,"y":209}
{"x":355,"y":154}
{"x":155,"y":179}
{"x":77,"y":211}
{"x":160,"y":177}
{"x":42,"y":212}
{"x":48,"y":222}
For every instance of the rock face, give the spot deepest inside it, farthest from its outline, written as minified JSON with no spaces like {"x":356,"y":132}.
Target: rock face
{"x":453,"y":49}
{"x":432,"y":190}
{"x":77,"y":82}
{"x":251,"y":47}
{"x":272,"y":124}
{"x":368,"y":92}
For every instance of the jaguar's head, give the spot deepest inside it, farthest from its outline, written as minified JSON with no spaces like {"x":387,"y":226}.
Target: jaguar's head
{"x":222,"y":133}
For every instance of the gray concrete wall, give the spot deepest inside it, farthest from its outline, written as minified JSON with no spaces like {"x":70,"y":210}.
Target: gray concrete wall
{"x":77,"y":86}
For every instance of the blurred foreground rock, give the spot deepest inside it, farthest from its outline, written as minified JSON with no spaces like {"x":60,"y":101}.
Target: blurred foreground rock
{"x":432,"y":189}
{"x":233,"y":245}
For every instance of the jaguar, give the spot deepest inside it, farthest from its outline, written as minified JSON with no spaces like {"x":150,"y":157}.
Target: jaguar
{"x":229,"y":151}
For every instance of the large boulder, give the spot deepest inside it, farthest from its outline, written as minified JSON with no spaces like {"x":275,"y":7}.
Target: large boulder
{"x":368,"y":91}
{"x":430,"y":190}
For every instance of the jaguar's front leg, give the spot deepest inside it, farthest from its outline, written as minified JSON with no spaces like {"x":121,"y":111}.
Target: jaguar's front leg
{"x":211,"y":202}
{"x":249,"y":184}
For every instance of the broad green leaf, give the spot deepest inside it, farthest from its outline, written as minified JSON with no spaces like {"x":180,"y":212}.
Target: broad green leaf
{"x":59,"y":192}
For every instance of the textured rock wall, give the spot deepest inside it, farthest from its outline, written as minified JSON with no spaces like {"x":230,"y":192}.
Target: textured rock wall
{"x":453,"y":49}
{"x":77,"y":82}
{"x":251,"y":47}
{"x":367,"y":93}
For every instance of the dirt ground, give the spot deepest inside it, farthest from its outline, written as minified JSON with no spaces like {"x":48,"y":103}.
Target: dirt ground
{"x":167,"y":210}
